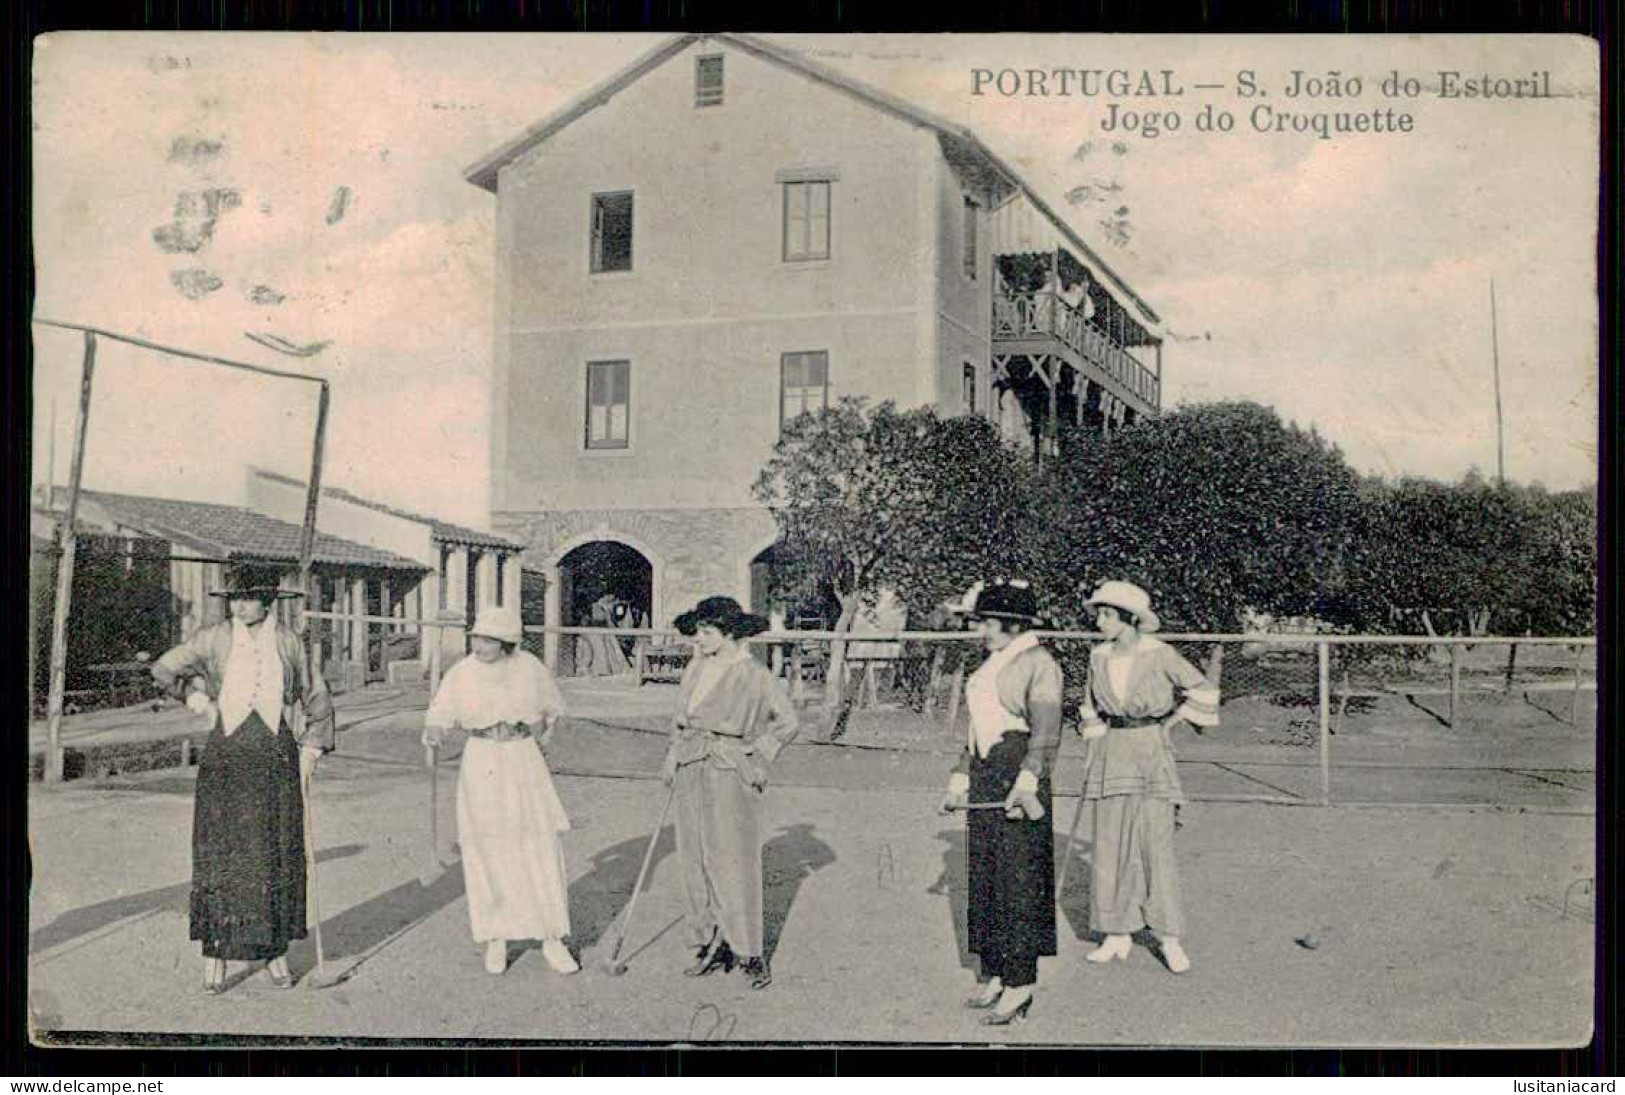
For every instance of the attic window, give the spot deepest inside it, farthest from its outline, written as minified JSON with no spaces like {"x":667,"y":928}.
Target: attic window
{"x":708,"y":81}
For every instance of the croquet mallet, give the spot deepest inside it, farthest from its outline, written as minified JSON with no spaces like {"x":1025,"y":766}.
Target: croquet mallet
{"x":612,"y":963}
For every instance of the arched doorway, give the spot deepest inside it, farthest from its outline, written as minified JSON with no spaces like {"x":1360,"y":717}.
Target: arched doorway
{"x":602,"y":583}
{"x":814,"y":613}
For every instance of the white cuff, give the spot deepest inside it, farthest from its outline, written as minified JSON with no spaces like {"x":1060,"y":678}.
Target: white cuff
{"x":959,"y":784}
{"x":1027,"y":781}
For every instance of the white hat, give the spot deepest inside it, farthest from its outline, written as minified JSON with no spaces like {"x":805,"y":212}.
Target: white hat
{"x":1128,"y":597}
{"x":499,"y":623}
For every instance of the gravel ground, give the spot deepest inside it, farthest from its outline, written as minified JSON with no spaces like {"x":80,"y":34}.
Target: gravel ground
{"x":1309,"y":927}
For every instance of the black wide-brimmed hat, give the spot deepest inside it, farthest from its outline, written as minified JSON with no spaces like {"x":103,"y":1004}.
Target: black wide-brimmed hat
{"x":254,"y":580}
{"x":1011,"y":599}
{"x":724,"y":614}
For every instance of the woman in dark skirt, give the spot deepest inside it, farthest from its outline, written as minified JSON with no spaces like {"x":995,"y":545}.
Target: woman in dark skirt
{"x":1014,"y":701}
{"x":271,"y":721}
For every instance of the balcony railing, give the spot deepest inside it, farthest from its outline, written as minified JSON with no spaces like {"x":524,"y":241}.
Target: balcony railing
{"x":1044,"y":315}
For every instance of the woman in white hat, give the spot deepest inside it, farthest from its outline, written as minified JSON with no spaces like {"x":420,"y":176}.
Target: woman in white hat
{"x":1140,"y":689}
{"x":508,"y":815}
{"x":1014,"y":699}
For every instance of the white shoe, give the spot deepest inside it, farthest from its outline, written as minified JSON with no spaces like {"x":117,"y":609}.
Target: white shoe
{"x":558,"y":956}
{"x":496,"y":956}
{"x":1174,"y":954}
{"x":1115,"y":947}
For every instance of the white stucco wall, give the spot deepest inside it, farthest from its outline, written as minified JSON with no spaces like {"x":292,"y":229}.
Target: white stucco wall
{"x":710,"y":305}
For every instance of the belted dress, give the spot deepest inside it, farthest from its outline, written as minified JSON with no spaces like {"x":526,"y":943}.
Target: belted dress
{"x":1130,"y":778}
{"x":509,"y":816}
{"x":732,"y":720}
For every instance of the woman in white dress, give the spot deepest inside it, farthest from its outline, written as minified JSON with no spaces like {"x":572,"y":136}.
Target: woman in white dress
{"x":508,"y":815}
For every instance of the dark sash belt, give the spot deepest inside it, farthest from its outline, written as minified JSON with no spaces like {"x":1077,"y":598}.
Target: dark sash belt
{"x":1123,"y":722}
{"x":502,"y":731}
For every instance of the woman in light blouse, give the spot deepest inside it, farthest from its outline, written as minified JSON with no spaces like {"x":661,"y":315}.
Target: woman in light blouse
{"x":1014,"y":700}
{"x":1140,"y":690}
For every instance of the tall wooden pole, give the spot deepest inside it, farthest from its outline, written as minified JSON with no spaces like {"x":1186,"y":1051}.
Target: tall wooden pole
{"x":307,"y":534}
{"x":67,"y":541}
{"x":1495,"y":357}
{"x":50,"y":460}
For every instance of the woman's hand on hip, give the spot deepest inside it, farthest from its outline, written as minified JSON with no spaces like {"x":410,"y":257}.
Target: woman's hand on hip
{"x":958,"y":793}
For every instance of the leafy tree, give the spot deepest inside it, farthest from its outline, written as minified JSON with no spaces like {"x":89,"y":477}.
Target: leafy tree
{"x":870,"y":500}
{"x":1215,"y":509}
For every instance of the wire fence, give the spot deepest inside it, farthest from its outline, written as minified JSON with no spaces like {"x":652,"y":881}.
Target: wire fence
{"x":1483,"y":722}
{"x":1356,"y":720}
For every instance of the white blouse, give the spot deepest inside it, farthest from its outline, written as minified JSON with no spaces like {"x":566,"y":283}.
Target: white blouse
{"x":475,"y":694}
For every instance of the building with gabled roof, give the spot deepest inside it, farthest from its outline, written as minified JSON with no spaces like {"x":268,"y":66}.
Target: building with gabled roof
{"x":725,"y":234}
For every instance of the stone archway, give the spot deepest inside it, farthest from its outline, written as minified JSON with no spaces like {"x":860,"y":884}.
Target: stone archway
{"x":588,"y":577}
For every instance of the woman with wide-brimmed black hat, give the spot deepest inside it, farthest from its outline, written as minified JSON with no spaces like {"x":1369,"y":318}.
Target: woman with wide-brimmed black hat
{"x":733,"y":717}
{"x":272,"y":718}
{"x":1014,"y":700}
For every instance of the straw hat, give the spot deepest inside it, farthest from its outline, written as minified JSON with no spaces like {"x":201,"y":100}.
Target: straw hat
{"x":1128,"y":597}
{"x":500,"y":623}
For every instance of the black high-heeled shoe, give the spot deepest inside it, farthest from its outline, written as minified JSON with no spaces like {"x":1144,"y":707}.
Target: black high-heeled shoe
{"x":757,"y":970}
{"x":1005,"y":1018}
{"x":712,"y":958}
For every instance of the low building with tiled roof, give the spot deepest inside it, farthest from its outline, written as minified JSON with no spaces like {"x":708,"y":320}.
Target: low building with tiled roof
{"x":368,"y":559}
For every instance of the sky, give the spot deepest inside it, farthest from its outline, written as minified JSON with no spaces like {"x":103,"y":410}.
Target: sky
{"x":1345,"y":282}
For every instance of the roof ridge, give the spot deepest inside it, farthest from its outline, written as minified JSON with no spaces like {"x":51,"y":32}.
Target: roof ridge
{"x":483,"y":172}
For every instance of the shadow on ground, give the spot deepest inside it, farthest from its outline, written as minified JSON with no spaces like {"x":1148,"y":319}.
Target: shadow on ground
{"x":788,"y":860}
{"x":176,"y":898}
{"x":600,"y":895}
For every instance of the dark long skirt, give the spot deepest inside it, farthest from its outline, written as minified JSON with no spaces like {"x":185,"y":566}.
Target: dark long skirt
{"x":248,"y":844}
{"x":1011,"y":869}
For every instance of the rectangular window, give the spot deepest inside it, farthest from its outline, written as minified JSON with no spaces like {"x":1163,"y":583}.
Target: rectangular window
{"x":806,"y":221}
{"x":971,"y":209}
{"x":611,"y":232}
{"x":609,"y":403}
{"x":708,"y":81}
{"x":804,"y":381}
{"x":969,"y":392}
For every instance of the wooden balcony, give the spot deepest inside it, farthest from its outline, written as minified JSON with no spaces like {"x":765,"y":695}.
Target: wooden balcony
{"x":1041,"y":323}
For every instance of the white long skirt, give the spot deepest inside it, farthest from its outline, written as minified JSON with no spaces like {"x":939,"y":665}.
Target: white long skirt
{"x":508,"y":821}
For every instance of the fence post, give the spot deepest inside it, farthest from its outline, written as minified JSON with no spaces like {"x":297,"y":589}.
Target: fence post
{"x":1455,"y":681}
{"x":1325,"y":651}
{"x":956,"y":689}
{"x":434,"y":657}
{"x":1574,"y":698}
